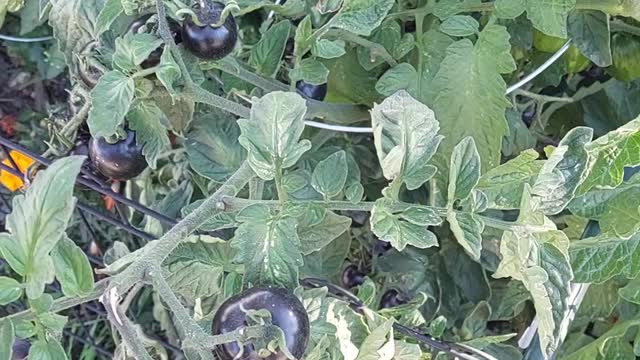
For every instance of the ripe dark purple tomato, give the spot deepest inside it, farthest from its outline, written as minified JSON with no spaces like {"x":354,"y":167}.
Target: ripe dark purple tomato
{"x":122,"y":160}
{"x":287,"y":312}
{"x":352,"y":277}
{"x":315,"y":92}
{"x":206,"y":41}
{"x":391,"y":298}
{"x":20,"y":349}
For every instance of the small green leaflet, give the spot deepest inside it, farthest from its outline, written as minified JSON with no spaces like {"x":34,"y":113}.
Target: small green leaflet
{"x":38,"y":220}
{"x":509,"y":9}
{"x":328,"y":49}
{"x":460,"y":26}
{"x":269,"y":247}
{"x":600,"y":258}
{"x":168,"y":72}
{"x":361,"y":16}
{"x":631,"y":291}
{"x":406,"y":137}
{"x":550,"y":16}
{"x":10,"y":290}
{"x":271,"y":136}
{"x":503,"y":185}
{"x":315,"y":236}
{"x":590,"y":32}
{"x":196,"y":269}
{"x":564,"y":171}
{"x":7,"y":337}
{"x":109,"y":13}
{"x":400,"y":77}
{"x":110,"y":102}
{"x":266,"y":55}
{"x":598,"y":348}
{"x":467,"y":228}
{"x":213,"y":147}
{"x":148,"y":121}
{"x":612,"y":152}
{"x":301,"y":38}
{"x":402,"y":228}
{"x":330,"y":175}
{"x":464,"y":170}
{"x":73,"y":270}
{"x":133,"y":49}
{"x":311,"y":71}
{"x":389,"y":35}
{"x":379,"y":344}
{"x":47,"y":350}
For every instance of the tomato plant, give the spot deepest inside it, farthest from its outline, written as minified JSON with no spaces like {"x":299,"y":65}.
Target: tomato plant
{"x":357,"y":179}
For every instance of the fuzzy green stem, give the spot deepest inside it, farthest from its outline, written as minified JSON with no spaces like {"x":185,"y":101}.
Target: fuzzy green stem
{"x":376,"y":49}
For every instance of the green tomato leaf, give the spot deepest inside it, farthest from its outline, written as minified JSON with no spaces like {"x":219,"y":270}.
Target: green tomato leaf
{"x":379,"y":344}
{"x":73,"y":270}
{"x":46,"y":350}
{"x":213,"y":147}
{"x":509,"y":9}
{"x":73,"y":24}
{"x":520,"y":138}
{"x":301,"y":38}
{"x":328,"y":49}
{"x":38,"y":220}
{"x":550,"y":17}
{"x":479,"y":110}
{"x":538,"y":256}
{"x":266,"y":55}
{"x":503,"y":185}
{"x":109,"y":13}
{"x":464,"y":172}
{"x":133,"y":49}
{"x":600,"y":258}
{"x":271,"y":136}
{"x":601,"y":347}
{"x":400,"y":77}
{"x":311,"y":71}
{"x":195,"y":269}
{"x":315,"y":236}
{"x":408,"y":227}
{"x":110,"y":102}
{"x":467,"y":228}
{"x":361,"y":16}
{"x":10,"y":290}
{"x":564,"y":171}
{"x":460,"y":26}
{"x":590,"y":32}
{"x":613,"y":152}
{"x":406,"y":137}
{"x":149,"y":124}
{"x":330,"y":175}
{"x":268,"y":246}
{"x":631,"y":291}
{"x":7,"y":337}
{"x":168,"y":71}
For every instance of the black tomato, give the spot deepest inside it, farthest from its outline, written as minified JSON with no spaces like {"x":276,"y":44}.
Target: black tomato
{"x":20,"y":349}
{"x":528,"y":115}
{"x":391,"y":298}
{"x":352,"y":277}
{"x":380,"y":247}
{"x":315,"y":92}
{"x":207,"y":41}
{"x":287,"y":312}
{"x":122,"y":160}
{"x":154,"y":57}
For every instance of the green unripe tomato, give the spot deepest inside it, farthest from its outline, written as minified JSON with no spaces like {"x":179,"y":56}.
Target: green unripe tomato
{"x":573,"y":59}
{"x":626,"y":57}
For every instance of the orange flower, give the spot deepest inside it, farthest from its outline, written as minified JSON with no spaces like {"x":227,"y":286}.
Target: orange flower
{"x":9,"y":180}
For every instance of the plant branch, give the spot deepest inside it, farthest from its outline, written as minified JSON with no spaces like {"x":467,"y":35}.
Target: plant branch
{"x":544,"y":98}
{"x":621,"y":26}
{"x":62,"y":303}
{"x":375,"y":48}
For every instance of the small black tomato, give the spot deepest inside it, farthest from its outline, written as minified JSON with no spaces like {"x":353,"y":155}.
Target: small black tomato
{"x":122,"y":160}
{"x":352,"y":277}
{"x":154,"y":57}
{"x":207,"y":41}
{"x":20,"y":349}
{"x":315,"y":92}
{"x":528,"y":115}
{"x":391,"y":298}
{"x":287,"y":312}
